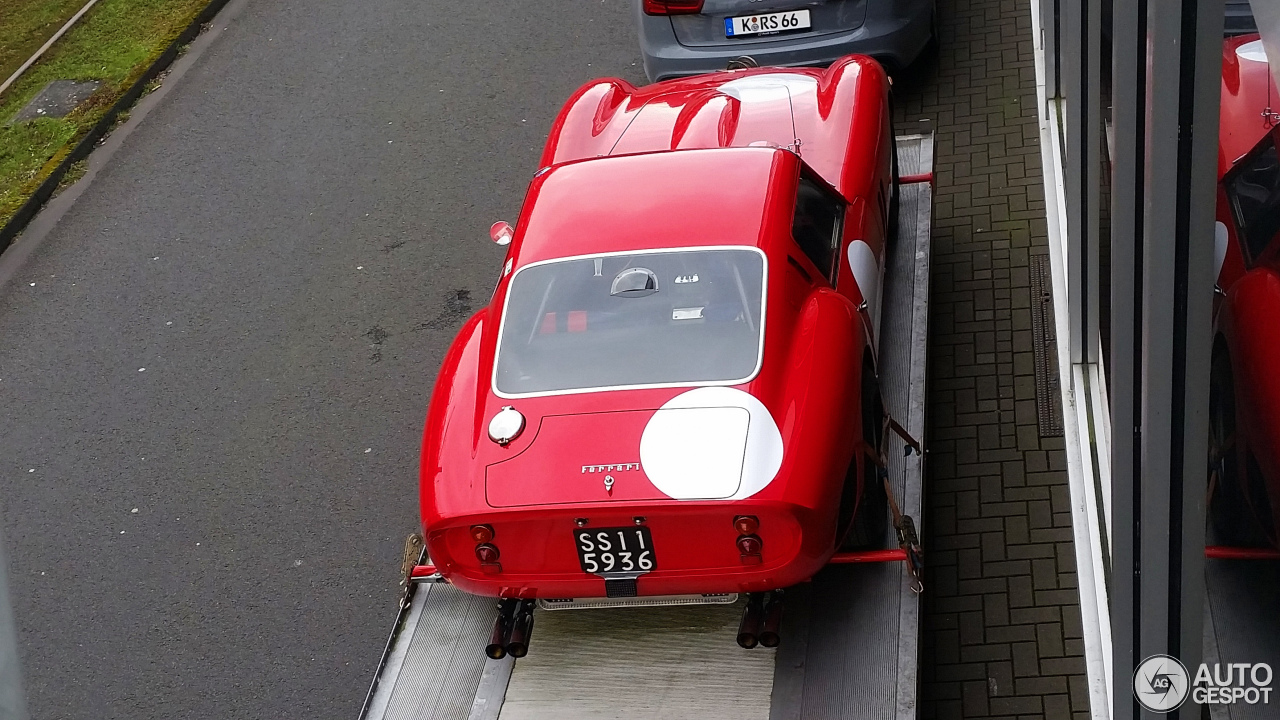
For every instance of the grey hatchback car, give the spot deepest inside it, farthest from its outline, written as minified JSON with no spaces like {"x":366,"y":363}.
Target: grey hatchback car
{"x":689,"y":37}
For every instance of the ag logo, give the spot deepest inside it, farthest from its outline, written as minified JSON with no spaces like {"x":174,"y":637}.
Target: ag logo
{"x":1161,"y":683}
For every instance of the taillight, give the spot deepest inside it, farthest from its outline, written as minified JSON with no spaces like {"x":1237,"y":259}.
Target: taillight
{"x":482,"y":533}
{"x":746,"y":524}
{"x":749,"y":545}
{"x":487,"y":553}
{"x":672,"y":7}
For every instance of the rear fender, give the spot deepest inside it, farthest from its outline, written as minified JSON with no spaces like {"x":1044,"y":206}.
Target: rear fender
{"x":453,"y":428}
{"x":1251,"y":329}
{"x":819,"y":407}
{"x":585,"y":128}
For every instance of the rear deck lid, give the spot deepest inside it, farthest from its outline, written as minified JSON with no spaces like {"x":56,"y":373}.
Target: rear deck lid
{"x":695,"y":453}
{"x":752,"y":109}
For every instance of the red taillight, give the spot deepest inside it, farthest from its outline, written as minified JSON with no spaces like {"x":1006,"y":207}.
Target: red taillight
{"x":481,"y":533}
{"x":672,"y":7}
{"x":746,"y":524}
{"x":749,"y":545}
{"x":487,"y":553}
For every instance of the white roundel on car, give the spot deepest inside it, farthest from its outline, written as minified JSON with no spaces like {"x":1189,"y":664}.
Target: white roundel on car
{"x":767,"y":86}
{"x":711,"y":443}
{"x":1220,"y":242}
{"x":866,"y":270}
{"x":1252,"y":51}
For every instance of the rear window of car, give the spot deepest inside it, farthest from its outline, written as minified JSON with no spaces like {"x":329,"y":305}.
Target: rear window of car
{"x":656,"y":318}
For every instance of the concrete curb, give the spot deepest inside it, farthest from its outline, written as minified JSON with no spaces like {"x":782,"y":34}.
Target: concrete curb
{"x":86,"y":144}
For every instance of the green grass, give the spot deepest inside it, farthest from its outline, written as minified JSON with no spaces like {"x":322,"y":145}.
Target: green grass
{"x":26,"y":25}
{"x":114,"y":43}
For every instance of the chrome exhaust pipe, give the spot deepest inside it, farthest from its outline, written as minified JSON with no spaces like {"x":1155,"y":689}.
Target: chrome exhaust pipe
{"x":497,"y":647}
{"x":749,"y":628}
{"x":769,"y":636}
{"x":521,"y":630}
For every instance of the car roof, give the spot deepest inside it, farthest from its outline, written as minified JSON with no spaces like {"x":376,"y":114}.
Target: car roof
{"x":668,"y":199}
{"x":1247,"y":90}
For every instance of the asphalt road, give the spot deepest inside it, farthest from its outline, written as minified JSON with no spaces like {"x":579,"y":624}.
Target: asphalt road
{"x":286,"y":244}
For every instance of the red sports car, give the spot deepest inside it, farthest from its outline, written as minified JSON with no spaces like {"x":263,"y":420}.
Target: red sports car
{"x":671,"y":388}
{"x":1244,"y":396}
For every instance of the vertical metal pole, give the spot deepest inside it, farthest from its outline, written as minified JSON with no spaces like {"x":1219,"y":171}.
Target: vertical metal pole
{"x":1128,"y":80}
{"x":1081,"y":82}
{"x":1184,"y":49}
{"x":1050,"y":28}
{"x":12,"y":702}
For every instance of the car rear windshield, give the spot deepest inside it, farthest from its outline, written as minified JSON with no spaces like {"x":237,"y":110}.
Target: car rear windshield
{"x":671,"y":317}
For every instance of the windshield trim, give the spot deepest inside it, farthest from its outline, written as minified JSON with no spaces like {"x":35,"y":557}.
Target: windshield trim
{"x":764,"y":294}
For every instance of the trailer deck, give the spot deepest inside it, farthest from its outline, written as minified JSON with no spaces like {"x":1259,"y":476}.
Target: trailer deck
{"x":1241,"y":624}
{"x":850,"y":638}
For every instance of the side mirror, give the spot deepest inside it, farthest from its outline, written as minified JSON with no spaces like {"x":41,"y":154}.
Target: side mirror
{"x":501,"y":232}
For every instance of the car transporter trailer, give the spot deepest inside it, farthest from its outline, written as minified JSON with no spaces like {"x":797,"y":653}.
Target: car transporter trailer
{"x":849,"y":638}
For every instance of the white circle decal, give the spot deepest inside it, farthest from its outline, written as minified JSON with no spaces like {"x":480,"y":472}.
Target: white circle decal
{"x":711,"y":443}
{"x":1220,"y":242}
{"x":767,"y":87}
{"x":866,"y":270}
{"x":1252,"y":51}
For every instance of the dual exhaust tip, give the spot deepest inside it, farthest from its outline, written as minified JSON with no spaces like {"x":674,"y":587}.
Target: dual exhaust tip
{"x":760,"y":625}
{"x":511,"y":630}
{"x":761,"y":621}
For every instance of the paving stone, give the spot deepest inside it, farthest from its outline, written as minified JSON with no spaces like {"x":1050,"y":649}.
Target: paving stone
{"x":1057,"y":707}
{"x":1021,"y":704}
{"x":975,"y":699}
{"x":1049,"y":639}
{"x":1000,"y":679}
{"x":1026,"y":660}
{"x":1036,"y":614}
{"x":1045,"y":685}
{"x":960,"y":673}
{"x":1011,"y":634}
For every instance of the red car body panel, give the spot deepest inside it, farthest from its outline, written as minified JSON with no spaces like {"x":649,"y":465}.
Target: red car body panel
{"x":687,"y":179}
{"x":1246,"y":321}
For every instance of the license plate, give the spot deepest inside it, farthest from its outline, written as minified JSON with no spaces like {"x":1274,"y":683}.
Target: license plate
{"x":766,"y":23}
{"x":623,"y":551}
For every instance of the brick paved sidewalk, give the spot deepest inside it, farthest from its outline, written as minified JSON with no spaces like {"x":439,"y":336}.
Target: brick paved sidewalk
{"x":1002,"y":620}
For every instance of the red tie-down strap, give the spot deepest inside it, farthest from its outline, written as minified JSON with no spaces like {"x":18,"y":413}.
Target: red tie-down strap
{"x":909,"y":549}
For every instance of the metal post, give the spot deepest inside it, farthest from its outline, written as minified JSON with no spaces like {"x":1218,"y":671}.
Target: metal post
{"x":1183,"y":49}
{"x":1128,"y":81}
{"x":1049,"y":29}
{"x":1082,"y":81}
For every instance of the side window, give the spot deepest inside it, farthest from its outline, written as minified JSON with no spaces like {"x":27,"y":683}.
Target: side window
{"x":1254,"y":189}
{"x":816,"y":226}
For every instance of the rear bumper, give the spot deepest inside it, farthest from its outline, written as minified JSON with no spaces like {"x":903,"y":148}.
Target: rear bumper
{"x":894,"y":33}
{"x":694,"y":544}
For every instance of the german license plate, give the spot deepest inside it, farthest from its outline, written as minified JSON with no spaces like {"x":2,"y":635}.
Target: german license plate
{"x":615,"y":551}
{"x":766,"y":23}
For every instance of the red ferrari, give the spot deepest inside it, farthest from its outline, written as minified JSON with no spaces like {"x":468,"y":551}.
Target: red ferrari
{"x":670,"y":391}
{"x":1244,"y":391}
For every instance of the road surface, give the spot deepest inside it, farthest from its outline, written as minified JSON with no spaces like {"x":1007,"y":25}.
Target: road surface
{"x":214,"y":369}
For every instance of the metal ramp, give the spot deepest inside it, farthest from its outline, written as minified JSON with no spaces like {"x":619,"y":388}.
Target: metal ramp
{"x":850,"y":637}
